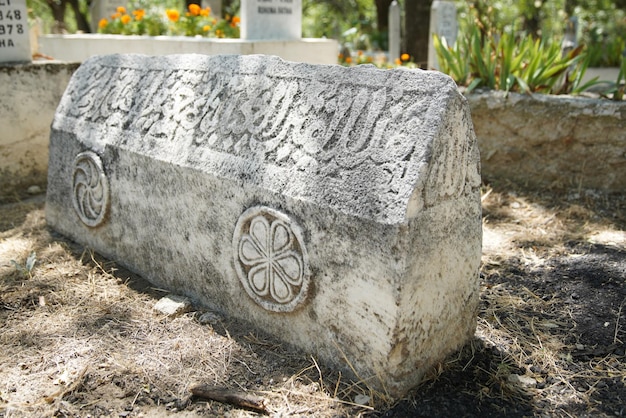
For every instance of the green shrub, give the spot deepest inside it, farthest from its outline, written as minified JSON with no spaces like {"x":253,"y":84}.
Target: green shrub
{"x":509,"y":63}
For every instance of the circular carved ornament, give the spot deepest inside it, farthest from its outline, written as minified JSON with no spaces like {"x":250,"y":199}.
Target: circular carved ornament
{"x":90,"y":189}
{"x":270,"y":259}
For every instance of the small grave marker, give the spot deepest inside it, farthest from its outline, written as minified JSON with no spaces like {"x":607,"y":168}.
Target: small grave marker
{"x":14,"y":31}
{"x":570,"y":39}
{"x":395,"y":31}
{"x":444,"y":23}
{"x":271,"y":19}
{"x":216,"y":7}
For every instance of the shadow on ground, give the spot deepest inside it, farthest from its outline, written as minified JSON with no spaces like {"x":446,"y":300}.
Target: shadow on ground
{"x":549,"y":341}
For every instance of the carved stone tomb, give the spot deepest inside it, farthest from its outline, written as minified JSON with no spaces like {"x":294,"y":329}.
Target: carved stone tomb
{"x":336,"y":208}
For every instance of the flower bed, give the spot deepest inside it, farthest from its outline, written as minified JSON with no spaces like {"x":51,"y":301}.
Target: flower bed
{"x":196,"y":21}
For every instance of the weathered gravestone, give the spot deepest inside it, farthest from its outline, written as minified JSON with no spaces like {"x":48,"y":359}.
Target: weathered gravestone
{"x":337,"y":208}
{"x":14,"y":31}
{"x":271,"y":19}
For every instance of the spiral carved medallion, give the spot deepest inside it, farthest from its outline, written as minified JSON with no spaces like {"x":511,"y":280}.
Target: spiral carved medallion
{"x":90,"y":189}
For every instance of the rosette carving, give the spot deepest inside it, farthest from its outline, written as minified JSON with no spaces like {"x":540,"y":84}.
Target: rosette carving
{"x":270,"y":259}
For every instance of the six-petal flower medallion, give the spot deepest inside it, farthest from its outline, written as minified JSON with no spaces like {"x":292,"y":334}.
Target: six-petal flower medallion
{"x":270,"y":259}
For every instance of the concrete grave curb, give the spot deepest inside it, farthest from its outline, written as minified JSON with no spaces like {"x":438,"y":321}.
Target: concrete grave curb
{"x":337,"y":208}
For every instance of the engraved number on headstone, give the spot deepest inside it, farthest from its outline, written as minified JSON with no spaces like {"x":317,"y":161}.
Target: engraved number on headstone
{"x":270,"y":259}
{"x":90,"y":193}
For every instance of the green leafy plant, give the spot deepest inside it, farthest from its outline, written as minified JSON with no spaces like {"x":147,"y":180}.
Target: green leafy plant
{"x":617,"y":90}
{"x":452,"y":60}
{"x":620,"y":84}
{"x":26,"y":269}
{"x":505,"y":62}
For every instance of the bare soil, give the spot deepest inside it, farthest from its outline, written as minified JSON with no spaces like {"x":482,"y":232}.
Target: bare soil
{"x":80,"y":338}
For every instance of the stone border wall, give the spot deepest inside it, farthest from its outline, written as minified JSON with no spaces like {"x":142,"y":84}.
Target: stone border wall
{"x":558,"y":142}
{"x":29,"y":95}
{"x":80,"y":47}
{"x":538,"y":142}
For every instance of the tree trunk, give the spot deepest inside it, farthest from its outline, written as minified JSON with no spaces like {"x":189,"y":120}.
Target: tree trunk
{"x":57,"y":7}
{"x":416,"y":26}
{"x":188,"y":2}
{"x":532,"y":18}
{"x":81,"y":20}
{"x":382,"y":15}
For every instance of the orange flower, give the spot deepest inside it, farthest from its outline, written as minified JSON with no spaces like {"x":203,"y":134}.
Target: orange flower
{"x":206,"y":28}
{"x":405,"y":57}
{"x":116,"y":16}
{"x":121,"y":10}
{"x":194,"y":9}
{"x":348,"y":60}
{"x":103,"y":23}
{"x":125,"y":19}
{"x":139,"y":14}
{"x":205,"y":12}
{"x":219,"y":33}
{"x":172,"y":14}
{"x":397,"y":61}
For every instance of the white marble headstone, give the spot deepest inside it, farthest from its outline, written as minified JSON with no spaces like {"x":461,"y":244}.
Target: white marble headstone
{"x":395,"y":31}
{"x":271,"y":19}
{"x":216,"y":7}
{"x":443,"y":23}
{"x":14,"y":31}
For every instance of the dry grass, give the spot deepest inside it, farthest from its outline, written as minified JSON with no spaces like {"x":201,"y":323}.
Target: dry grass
{"x":80,"y":337}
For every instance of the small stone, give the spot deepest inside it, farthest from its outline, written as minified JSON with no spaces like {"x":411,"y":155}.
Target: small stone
{"x":33,"y":190}
{"x":172,"y":305}
{"x":362,"y":400}
{"x":580,"y":347}
{"x":209,"y":318}
{"x":522,"y":380}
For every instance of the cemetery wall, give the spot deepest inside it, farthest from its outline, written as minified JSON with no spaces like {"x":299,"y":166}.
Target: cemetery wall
{"x":539,"y":141}
{"x":29,"y":95}
{"x":558,"y":142}
{"x":80,"y":47}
